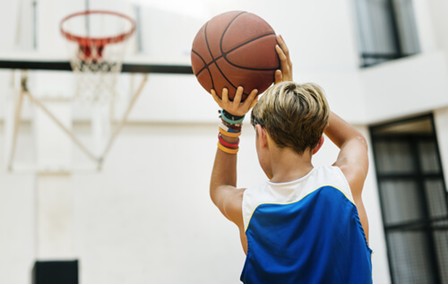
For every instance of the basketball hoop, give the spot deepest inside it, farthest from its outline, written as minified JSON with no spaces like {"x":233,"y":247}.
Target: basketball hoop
{"x":97,"y":41}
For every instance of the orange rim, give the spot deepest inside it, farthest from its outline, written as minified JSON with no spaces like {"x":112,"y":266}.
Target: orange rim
{"x":85,"y":41}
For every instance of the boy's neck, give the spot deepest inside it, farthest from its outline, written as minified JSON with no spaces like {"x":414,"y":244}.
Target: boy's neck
{"x":287,"y":165}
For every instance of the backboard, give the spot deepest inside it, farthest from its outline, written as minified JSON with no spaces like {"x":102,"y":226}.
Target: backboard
{"x":38,"y":78}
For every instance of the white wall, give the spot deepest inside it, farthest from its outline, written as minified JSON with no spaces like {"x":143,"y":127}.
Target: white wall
{"x":147,"y":217}
{"x":17,"y":227}
{"x":437,"y":10}
{"x":404,"y":87}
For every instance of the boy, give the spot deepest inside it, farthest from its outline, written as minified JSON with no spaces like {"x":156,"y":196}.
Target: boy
{"x":306,"y":224}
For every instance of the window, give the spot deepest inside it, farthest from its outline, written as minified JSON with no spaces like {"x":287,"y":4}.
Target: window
{"x":386,"y":30}
{"x":413,"y":200}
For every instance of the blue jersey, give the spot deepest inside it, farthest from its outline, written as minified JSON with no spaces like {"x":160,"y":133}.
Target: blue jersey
{"x":305,"y":231}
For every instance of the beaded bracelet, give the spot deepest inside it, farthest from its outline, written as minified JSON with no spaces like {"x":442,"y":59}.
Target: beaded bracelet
{"x":227,"y":150}
{"x":231,"y":119}
{"x":233,"y":128}
{"x":228,"y":144}
{"x":229,"y":129}
{"x":229,"y":134}
{"x":230,"y":116}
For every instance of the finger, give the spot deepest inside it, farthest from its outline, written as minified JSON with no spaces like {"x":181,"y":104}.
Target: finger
{"x":215,"y":97}
{"x":225,"y":96}
{"x":278,"y":76}
{"x":281,"y":53}
{"x":285,"y":63}
{"x":238,"y":96}
{"x":253,"y":103}
{"x":249,"y":102}
{"x":285,"y":49}
{"x":283,"y":45}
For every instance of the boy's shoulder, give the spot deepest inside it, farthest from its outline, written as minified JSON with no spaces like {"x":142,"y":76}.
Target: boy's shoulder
{"x":287,"y":193}
{"x":325,"y":175}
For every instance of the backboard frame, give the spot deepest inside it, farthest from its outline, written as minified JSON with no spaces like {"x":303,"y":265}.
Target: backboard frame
{"x":33,"y":62}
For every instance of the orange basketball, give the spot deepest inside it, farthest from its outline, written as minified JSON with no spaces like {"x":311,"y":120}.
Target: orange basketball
{"x":234,"y":49}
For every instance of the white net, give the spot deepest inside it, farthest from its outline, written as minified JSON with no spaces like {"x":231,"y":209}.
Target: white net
{"x":97,"y":42}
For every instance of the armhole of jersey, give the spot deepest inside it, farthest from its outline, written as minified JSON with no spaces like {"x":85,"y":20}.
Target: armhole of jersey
{"x":245,"y":209}
{"x":345,"y":185}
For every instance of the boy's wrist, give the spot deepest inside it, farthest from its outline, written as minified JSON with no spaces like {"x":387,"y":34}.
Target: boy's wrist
{"x":230,"y":118}
{"x":229,"y":132}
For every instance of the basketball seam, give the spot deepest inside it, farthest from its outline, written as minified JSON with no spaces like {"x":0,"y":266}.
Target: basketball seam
{"x":224,"y":54}
{"x":201,"y":58}
{"x":205,"y":67}
{"x":211,"y":55}
{"x":215,"y":60}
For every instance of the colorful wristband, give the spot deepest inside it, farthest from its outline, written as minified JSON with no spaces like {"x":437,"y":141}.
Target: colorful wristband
{"x":228,"y":134}
{"x":233,"y":126}
{"x":228,"y":144}
{"x":231,"y":119}
{"x":227,"y":150}
{"x":229,"y":129}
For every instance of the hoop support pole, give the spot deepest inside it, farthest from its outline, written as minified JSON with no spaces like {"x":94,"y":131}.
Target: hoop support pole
{"x":16,"y":121}
{"x":72,"y":136}
{"x":124,"y":119}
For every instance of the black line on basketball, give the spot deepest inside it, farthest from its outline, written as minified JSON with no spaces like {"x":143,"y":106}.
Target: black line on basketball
{"x":206,"y":65}
{"x":204,"y":68}
{"x":209,"y":50}
{"x":243,"y":44}
{"x":228,"y":26}
{"x":211,"y":55}
{"x":203,"y":61}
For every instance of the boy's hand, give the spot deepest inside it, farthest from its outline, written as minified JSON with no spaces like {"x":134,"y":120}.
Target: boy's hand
{"x":236,"y":107}
{"x":285,"y":74}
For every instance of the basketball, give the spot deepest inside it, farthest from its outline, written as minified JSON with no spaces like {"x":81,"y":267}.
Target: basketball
{"x":234,"y":49}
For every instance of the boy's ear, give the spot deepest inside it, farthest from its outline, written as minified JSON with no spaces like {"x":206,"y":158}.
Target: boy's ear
{"x":319,"y":145}
{"x":262,"y":135}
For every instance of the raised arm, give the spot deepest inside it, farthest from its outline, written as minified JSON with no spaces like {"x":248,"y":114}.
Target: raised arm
{"x":352,"y":159}
{"x":223,"y":191}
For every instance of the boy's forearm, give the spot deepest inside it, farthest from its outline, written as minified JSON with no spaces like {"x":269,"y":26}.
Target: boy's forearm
{"x":339,"y":131}
{"x":224,"y":171}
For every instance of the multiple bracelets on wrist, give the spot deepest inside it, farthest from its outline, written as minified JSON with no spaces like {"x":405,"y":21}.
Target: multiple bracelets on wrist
{"x":230,"y":126}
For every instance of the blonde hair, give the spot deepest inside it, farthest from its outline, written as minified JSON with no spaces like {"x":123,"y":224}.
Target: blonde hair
{"x":294,"y":115}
